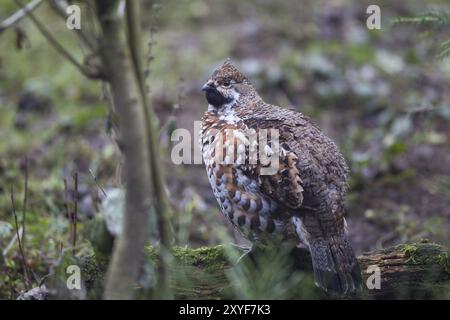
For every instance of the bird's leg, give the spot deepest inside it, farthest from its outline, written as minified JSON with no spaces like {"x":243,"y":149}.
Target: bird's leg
{"x":246,"y":252}
{"x":241,"y":247}
{"x":302,"y":245}
{"x":245,"y":248}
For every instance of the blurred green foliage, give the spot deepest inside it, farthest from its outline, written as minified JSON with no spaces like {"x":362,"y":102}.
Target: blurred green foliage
{"x":380,"y":94}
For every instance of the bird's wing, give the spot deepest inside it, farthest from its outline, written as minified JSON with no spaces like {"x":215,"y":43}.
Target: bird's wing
{"x":282,"y":181}
{"x":285,"y":185}
{"x":317,"y":158}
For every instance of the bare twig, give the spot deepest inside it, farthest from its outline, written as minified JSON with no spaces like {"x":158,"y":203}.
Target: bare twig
{"x":22,"y":253}
{"x":60,"y":7}
{"x":11,"y":242}
{"x":25,"y":201}
{"x":19,"y":15}
{"x":152,"y":42}
{"x":61,"y":247}
{"x":421,"y":109}
{"x":97,"y":183}
{"x":94,"y":74}
{"x":75,"y":213}
{"x":66,"y":204}
{"x":43,"y":279}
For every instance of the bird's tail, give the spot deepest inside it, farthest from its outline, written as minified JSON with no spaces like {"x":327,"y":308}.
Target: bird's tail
{"x":336,"y":269}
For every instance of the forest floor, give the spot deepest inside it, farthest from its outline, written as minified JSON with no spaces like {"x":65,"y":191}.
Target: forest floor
{"x":382,"y":95}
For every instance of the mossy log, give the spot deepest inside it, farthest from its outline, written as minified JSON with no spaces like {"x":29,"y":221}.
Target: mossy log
{"x":417,"y":271}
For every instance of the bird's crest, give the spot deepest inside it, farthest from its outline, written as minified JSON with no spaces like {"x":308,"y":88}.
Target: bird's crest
{"x":229,"y":71}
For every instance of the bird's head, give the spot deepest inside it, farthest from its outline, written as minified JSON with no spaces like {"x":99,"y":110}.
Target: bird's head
{"x":226,"y":85}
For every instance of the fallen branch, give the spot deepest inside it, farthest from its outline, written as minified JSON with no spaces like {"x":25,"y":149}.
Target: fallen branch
{"x":407,"y":271}
{"x":417,"y":270}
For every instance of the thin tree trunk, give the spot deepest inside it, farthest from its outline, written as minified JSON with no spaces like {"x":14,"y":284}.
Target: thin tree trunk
{"x":161,"y":204}
{"x":128,"y":251}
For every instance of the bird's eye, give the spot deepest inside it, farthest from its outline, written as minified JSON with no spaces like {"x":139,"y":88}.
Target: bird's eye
{"x":226,"y":83}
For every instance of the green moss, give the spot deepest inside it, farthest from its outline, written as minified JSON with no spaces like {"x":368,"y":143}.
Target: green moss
{"x":425,"y":253}
{"x":208,"y":258}
{"x":197,"y":273}
{"x":409,"y":250}
{"x":442,"y":259}
{"x":200,"y":256}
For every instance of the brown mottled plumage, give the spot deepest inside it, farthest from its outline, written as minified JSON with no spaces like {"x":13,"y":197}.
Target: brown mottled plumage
{"x":303,"y":200}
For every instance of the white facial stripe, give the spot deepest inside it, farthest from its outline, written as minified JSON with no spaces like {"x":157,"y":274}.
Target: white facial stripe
{"x":235,"y":96}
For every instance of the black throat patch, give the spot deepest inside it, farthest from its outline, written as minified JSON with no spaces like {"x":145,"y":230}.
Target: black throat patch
{"x":215,"y":98}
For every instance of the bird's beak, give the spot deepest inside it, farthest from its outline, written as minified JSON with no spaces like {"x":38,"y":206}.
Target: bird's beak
{"x":207,"y":86}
